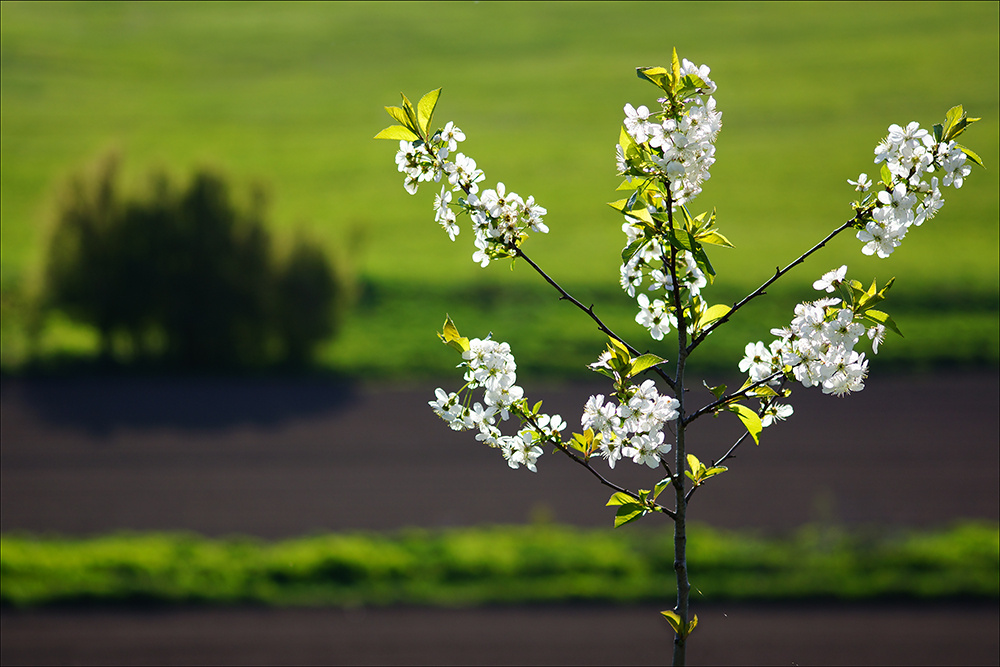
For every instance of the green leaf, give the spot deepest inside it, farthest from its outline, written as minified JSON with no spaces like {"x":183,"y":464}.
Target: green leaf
{"x":662,"y":484}
{"x":846,"y":292}
{"x":886,"y":175}
{"x":411,"y":114}
{"x":686,"y":217}
{"x":972,"y":156}
{"x":885,"y":288}
{"x":400,"y":116}
{"x":717,"y":390}
{"x":956,"y":122}
{"x":764,"y":391}
{"x":449,"y":336}
{"x":872,"y":289}
{"x":882,"y":318}
{"x":628,"y":508}
{"x":425,"y":109}
{"x":712,"y":314}
{"x":583,"y":442}
{"x":629,"y":251}
{"x":641,"y":213}
{"x":619,"y":205}
{"x":699,"y":473}
{"x":658,"y":76}
{"x":618,"y":349}
{"x":697,"y":469}
{"x":648,"y":73}
{"x":602,"y":370}
{"x":619,"y":366}
{"x":628,"y":513}
{"x":620,"y":498}
{"x":674,"y":619}
{"x":692,"y":81}
{"x":630,"y":202}
{"x":689,"y":84}
{"x":715,"y":238}
{"x":625,"y":140}
{"x":749,"y":419}
{"x":639,"y":364}
{"x":868,"y":299}
{"x":701,"y":259}
{"x":953,"y":115}
{"x":397,"y":132}
{"x":680,"y":238}
{"x":662,"y":218}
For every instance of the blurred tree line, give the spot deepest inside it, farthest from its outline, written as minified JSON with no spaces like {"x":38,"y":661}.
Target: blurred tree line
{"x":185,"y":274}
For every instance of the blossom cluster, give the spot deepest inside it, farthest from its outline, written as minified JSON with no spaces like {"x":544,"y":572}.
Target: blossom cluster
{"x":909,"y":155}
{"x":500,"y":219}
{"x":633,"y":427}
{"x":630,"y":428}
{"x":669,"y":152}
{"x":675,"y":147}
{"x":490,"y":366}
{"x":651,"y":263}
{"x":817,"y":348}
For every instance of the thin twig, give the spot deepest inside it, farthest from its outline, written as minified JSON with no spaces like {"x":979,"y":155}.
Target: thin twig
{"x":729,"y":454}
{"x":566,"y":296}
{"x":767,"y":283}
{"x":729,"y":398}
{"x":601,"y":478}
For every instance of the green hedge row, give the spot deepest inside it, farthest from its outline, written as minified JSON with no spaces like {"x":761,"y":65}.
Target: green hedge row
{"x":502,"y":564}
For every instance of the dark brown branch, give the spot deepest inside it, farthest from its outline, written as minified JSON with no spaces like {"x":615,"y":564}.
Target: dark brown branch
{"x":680,"y":499}
{"x":566,"y":296}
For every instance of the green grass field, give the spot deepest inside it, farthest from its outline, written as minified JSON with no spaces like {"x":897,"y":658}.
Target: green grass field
{"x":291,"y":94}
{"x":501,"y":564}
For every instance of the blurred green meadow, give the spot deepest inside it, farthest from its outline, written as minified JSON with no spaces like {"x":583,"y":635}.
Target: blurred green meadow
{"x":291,"y":94}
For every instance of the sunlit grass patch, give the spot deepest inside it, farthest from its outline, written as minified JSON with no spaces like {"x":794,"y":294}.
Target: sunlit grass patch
{"x":501,"y":564}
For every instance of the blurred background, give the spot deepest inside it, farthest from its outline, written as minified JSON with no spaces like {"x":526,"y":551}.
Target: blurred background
{"x":219,"y":305}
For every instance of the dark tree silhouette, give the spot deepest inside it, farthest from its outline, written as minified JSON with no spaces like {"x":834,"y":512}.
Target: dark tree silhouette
{"x":185,"y":274}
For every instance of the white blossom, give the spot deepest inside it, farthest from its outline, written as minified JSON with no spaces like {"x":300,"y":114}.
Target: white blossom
{"x":831,"y":279}
{"x":775,"y":412}
{"x":862,"y":184}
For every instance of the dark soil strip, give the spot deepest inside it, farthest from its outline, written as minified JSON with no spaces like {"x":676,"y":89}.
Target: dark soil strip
{"x":282,"y":458}
{"x":739,"y":634}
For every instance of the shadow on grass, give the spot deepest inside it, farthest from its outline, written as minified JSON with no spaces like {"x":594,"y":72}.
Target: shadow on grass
{"x":99,"y":397}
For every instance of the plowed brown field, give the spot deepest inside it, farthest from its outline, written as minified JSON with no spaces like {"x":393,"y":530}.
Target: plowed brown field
{"x":279,"y":458}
